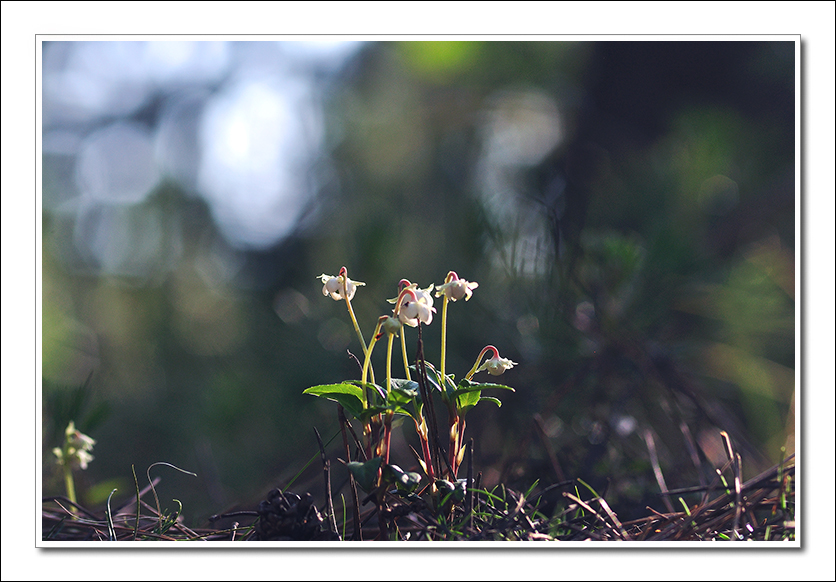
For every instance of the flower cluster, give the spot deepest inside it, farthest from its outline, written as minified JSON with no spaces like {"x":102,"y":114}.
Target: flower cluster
{"x":375,"y":405}
{"x":74,"y":453}
{"x":76,"y":450}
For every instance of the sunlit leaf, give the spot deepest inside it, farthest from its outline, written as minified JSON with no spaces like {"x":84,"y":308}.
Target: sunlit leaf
{"x":468,"y":400}
{"x":491,"y":399}
{"x":349,"y":395}
{"x":469,"y":386}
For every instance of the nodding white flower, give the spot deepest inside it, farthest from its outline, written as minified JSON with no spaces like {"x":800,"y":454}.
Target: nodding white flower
{"x":455,"y":288}
{"x":424,"y":295}
{"x":496,"y":365}
{"x":415,"y":305}
{"x":77,"y":447}
{"x":334,"y":286}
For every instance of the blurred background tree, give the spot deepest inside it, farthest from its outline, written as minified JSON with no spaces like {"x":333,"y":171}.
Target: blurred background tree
{"x":628,"y":209}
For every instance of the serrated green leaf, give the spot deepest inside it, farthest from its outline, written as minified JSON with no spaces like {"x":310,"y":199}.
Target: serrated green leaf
{"x":487,"y":385}
{"x":469,"y":386}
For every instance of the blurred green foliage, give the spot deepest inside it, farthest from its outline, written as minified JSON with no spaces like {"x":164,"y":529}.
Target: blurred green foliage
{"x":627,"y":209}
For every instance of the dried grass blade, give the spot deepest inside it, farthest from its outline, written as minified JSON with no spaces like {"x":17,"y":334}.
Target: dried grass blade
{"x":657,"y":469}
{"x":138,"y":508}
{"x":738,"y":506}
{"x":588,"y":507}
{"x":326,"y":467}
{"x":614,"y":518}
{"x":111,"y":533}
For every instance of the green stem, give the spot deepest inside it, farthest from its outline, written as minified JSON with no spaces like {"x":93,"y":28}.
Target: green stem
{"x":405,"y":359}
{"x":444,"y":339}
{"x":367,"y":425}
{"x":387,"y":424}
{"x":366,"y":370}
{"x":389,"y":364}
{"x":68,"y":481}
{"x":357,"y":327}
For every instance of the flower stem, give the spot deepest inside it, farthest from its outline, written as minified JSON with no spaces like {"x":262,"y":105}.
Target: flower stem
{"x":357,"y":328}
{"x":475,"y":367}
{"x":389,"y":363}
{"x":69,"y":483}
{"x":405,"y":359}
{"x":387,"y":422}
{"x":367,"y":361}
{"x":444,"y":339}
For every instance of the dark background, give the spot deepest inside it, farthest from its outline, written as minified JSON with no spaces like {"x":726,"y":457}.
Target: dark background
{"x":628,"y":209}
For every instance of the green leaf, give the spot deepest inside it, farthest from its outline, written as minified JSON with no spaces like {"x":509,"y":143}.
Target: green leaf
{"x":404,"y":481}
{"x":402,"y":392}
{"x":469,"y":394}
{"x":368,"y":413}
{"x":468,"y":400}
{"x":347,"y":394}
{"x":469,"y":386}
{"x":408,"y":387}
{"x":365,"y":473}
{"x":432,"y":376}
{"x":369,"y":385}
{"x":448,"y":490}
{"x":486,"y":385}
{"x":435,"y":379}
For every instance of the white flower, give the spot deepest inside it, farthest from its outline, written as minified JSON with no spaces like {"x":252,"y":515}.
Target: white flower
{"x":456,"y":288}
{"x":333,"y":286}
{"x":425,"y":295}
{"x":84,"y":458}
{"x":496,"y":365}
{"x":415,"y":305}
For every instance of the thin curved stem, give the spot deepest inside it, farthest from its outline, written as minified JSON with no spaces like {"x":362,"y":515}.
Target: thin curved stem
{"x":475,"y":367}
{"x":389,"y":363}
{"x":365,"y":375}
{"x":405,"y":359}
{"x":356,"y":326}
{"x":444,"y":338}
